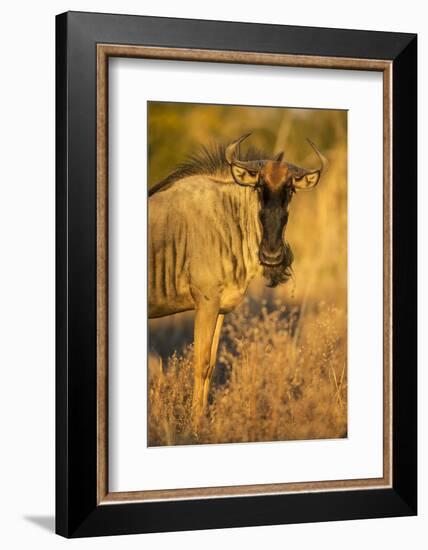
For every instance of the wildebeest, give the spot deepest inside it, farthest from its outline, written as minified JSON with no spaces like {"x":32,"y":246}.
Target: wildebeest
{"x":214,"y":224}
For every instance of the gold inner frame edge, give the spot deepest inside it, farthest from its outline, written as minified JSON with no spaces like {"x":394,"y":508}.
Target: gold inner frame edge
{"x":104,"y":51}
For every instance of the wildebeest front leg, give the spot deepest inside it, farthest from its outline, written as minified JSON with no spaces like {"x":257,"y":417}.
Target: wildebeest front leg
{"x":213,"y":358}
{"x":205,"y":324}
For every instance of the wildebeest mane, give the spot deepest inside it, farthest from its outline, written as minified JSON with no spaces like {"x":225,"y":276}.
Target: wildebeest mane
{"x":210,"y":161}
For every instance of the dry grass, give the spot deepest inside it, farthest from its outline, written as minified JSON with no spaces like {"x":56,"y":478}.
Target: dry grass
{"x":281,"y":377}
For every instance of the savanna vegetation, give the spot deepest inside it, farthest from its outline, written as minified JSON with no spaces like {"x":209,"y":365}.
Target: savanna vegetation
{"x":281,"y":372}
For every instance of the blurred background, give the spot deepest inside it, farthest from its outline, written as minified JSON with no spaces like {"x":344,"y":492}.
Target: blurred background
{"x":316,"y":230}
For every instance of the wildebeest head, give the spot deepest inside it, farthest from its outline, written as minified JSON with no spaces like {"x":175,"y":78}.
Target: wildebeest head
{"x":276,"y":181}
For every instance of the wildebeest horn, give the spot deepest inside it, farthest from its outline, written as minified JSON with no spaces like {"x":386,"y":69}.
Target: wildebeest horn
{"x":232,"y":149}
{"x":323,"y":160}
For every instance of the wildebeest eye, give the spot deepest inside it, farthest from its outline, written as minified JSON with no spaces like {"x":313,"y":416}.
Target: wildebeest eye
{"x":252,"y":174}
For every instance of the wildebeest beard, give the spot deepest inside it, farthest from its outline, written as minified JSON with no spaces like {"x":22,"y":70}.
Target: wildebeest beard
{"x":280,"y":274}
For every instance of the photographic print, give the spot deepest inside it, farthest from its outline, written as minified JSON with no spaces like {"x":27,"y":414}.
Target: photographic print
{"x":247,"y":273}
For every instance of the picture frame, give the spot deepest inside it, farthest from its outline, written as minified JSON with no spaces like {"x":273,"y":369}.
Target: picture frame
{"x":84,"y":44}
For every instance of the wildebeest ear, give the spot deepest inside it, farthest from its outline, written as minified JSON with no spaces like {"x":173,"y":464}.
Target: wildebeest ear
{"x":279,"y":156}
{"x":242,"y":176}
{"x":309,"y":180}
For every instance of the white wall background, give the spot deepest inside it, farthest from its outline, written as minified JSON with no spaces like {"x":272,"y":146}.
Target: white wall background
{"x":27,"y":272}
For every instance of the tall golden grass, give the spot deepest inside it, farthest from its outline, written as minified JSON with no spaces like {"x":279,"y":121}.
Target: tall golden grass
{"x":282,"y":365}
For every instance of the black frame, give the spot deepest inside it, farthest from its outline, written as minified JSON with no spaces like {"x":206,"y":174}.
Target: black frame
{"x":77,"y":513}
